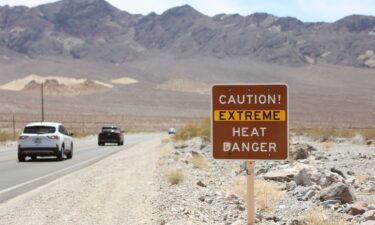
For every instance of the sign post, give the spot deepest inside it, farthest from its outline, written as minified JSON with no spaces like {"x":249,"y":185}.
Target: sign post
{"x":250,"y":192}
{"x":250,"y":122}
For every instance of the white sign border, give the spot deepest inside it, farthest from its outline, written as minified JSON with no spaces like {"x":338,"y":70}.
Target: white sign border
{"x":252,"y":84}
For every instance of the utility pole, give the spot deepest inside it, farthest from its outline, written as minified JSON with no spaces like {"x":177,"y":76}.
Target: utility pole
{"x":42,"y":97}
{"x":14,"y":127}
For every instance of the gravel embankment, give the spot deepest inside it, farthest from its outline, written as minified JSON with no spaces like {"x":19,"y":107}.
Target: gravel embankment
{"x":334,"y":178}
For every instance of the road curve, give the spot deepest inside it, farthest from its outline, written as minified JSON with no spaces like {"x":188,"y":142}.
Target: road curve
{"x":17,"y":177}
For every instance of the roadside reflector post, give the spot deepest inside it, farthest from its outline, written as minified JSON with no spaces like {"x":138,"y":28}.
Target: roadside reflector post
{"x":250,"y":199}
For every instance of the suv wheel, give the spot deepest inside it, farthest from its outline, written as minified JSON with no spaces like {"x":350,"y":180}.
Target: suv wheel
{"x":21,"y":157}
{"x":60,"y":155}
{"x":70,"y":154}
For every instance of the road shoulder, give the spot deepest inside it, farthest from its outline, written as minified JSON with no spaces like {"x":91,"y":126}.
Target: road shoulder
{"x":116,"y":190}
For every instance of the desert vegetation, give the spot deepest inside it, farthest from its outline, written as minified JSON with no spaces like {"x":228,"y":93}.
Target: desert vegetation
{"x":175,"y":177}
{"x":199,"y":161}
{"x":318,"y":217}
{"x":327,"y":133}
{"x":6,"y":136}
{"x":195,"y":129}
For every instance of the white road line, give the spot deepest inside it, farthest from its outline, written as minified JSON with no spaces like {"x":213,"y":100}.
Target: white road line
{"x":68,"y":168}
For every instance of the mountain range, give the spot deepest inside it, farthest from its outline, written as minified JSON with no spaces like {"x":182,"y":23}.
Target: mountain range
{"x":94,"y":30}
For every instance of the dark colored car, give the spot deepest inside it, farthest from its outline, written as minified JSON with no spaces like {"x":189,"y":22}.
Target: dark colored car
{"x":111,"y":134}
{"x":171,"y":131}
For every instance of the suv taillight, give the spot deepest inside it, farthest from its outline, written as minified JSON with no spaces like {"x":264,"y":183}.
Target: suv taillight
{"x":23,"y":137}
{"x":55,"y":137}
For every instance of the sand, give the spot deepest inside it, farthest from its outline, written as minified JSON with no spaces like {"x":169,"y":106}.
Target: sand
{"x":124,"y":80}
{"x":184,"y":85}
{"x":19,"y":84}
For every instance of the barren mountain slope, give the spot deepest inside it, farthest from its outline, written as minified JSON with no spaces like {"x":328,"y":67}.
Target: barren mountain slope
{"x":319,"y":94}
{"x":94,"y":29}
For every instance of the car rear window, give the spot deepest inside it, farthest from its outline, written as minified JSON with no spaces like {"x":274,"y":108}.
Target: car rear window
{"x":109,"y":129}
{"x":39,"y":130}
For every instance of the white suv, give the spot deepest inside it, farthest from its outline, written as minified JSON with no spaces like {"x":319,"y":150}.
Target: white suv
{"x":45,"y":139}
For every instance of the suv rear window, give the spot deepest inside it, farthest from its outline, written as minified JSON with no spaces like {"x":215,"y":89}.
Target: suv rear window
{"x":109,"y":129}
{"x":39,"y":130}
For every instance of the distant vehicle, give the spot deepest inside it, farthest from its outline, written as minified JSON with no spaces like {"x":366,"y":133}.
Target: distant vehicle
{"x":111,"y":134}
{"x":45,"y":139}
{"x":172,"y":131}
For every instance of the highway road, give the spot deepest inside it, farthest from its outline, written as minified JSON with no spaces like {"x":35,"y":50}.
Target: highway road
{"x":19,"y":177}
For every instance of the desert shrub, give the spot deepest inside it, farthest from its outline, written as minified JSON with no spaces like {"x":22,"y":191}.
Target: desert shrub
{"x":362,"y":178}
{"x":175,"y":177}
{"x":327,"y":145}
{"x":329,"y":133}
{"x":318,"y":217}
{"x":82,"y":133}
{"x":6,"y":136}
{"x":165,"y":140}
{"x":205,"y":127}
{"x":239,"y":187}
{"x":266,"y":194}
{"x":194,"y":129}
{"x":199,"y":161}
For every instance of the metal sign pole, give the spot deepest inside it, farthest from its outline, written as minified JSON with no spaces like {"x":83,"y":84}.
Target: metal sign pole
{"x":250,"y":192}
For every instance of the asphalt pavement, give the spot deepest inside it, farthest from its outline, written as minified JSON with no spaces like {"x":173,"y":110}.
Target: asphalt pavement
{"x":19,"y":177}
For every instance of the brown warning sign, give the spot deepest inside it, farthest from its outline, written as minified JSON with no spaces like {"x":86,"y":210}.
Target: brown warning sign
{"x":250,"y":121}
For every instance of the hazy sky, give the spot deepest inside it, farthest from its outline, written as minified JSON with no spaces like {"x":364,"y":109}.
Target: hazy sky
{"x":305,"y":10}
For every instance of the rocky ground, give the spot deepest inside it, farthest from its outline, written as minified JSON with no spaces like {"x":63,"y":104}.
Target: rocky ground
{"x":323,"y":181}
{"x":179,"y":183}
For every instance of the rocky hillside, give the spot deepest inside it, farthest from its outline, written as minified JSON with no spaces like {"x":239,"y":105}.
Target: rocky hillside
{"x":95,"y":30}
{"x":323,"y":183}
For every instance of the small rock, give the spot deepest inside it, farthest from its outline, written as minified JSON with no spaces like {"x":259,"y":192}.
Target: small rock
{"x":369,"y":215}
{"x":202,"y":199}
{"x":195,"y":153}
{"x":300,"y":151}
{"x":280,"y":176}
{"x":180,"y":145}
{"x":358,"y":208}
{"x":290,"y":186}
{"x":321,"y":158}
{"x":233,"y":198}
{"x":241,"y":207}
{"x":308,"y":195}
{"x":295,"y":222}
{"x":339,"y":191}
{"x":237,"y":222}
{"x":201,"y":184}
{"x":351,"y":173}
{"x":303,"y":178}
{"x":330,"y":203}
{"x":339,"y":172}
{"x":261,"y":171}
